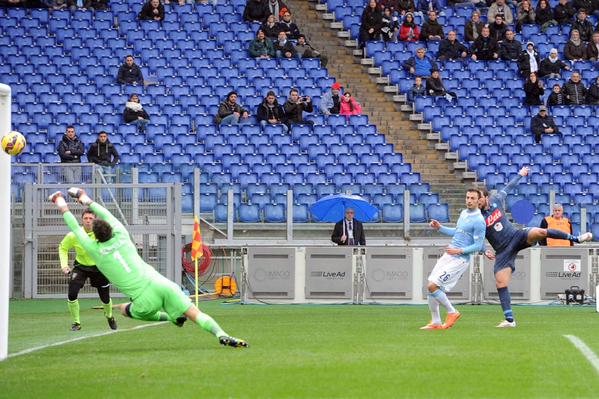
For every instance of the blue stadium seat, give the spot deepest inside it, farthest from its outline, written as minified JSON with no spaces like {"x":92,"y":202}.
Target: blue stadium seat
{"x":392,"y":213}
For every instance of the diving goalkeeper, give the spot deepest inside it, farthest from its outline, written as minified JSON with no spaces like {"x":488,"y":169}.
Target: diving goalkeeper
{"x":116,"y":257}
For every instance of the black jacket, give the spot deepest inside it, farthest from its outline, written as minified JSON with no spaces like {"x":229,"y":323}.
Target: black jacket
{"x":451,"y":50}
{"x":544,"y":15}
{"x":358,"y":233}
{"x":290,"y":28}
{"x":547,"y":67}
{"x":524,"y":62}
{"x":225,"y":109}
{"x":533,"y":93}
{"x":539,"y":124}
{"x":593,"y":94}
{"x":510,"y":50}
{"x":287,"y":47}
{"x":469,"y":30}
{"x":573,"y":52}
{"x":128,"y":75}
{"x":75,"y":147}
{"x":434,"y":87}
{"x":575,"y":93}
{"x":484,"y":48}
{"x":591,"y":51}
{"x":371,"y":20}
{"x":147,"y":12}
{"x":264,"y":112}
{"x":103,"y":154}
{"x":563,"y":14}
{"x":294,"y":112}
{"x":588,"y":5}
{"x":256,"y":10}
{"x":271,"y":32}
{"x":585,"y":28}
{"x":431,"y":28}
{"x":497,"y":31}
{"x":556,"y":99}
{"x":131,"y":116}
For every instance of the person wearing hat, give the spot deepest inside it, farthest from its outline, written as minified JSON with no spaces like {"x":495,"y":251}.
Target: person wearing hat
{"x":542,"y":123}
{"x":303,"y":49}
{"x":330,"y":102}
{"x":551,"y":67}
{"x":230,"y":112}
{"x":557,"y":221}
{"x":529,"y":60}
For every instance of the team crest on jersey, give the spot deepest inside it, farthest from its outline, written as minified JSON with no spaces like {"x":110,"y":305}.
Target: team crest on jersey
{"x":494,"y":217}
{"x":498,"y":226}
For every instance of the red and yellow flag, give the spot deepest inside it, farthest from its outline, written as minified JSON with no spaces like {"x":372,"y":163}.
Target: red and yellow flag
{"x":197,"y":246}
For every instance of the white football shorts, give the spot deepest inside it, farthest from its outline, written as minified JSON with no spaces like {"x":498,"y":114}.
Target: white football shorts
{"x":448,"y":270}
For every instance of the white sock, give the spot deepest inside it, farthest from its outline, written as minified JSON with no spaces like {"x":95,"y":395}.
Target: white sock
{"x":440,"y":296}
{"x":433,"y":305}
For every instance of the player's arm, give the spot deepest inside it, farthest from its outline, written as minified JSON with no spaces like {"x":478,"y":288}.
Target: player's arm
{"x":514,"y":182}
{"x":67,"y":243}
{"x":442,"y":229}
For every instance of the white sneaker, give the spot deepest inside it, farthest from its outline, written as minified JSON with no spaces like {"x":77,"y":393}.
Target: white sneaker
{"x":585,"y":237}
{"x":507,"y":324}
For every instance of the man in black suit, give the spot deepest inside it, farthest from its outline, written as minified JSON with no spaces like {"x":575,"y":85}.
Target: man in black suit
{"x":349,"y":231}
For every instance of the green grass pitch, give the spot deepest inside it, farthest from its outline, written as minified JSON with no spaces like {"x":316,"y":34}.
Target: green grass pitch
{"x":304,"y":352}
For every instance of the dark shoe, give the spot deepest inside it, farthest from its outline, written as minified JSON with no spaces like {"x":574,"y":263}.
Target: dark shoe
{"x":234,"y":342}
{"x":111,"y":323}
{"x":76,"y":327}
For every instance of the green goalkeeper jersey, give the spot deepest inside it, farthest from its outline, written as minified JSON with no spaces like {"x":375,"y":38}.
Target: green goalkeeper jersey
{"x":116,"y":258}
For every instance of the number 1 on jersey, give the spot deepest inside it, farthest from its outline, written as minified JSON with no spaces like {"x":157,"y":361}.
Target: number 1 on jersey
{"x":121,"y":260}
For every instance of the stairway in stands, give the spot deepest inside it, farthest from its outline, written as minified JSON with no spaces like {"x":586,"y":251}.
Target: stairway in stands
{"x":381,"y":109}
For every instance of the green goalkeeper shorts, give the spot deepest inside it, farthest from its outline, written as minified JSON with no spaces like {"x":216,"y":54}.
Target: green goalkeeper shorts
{"x":161,"y":294}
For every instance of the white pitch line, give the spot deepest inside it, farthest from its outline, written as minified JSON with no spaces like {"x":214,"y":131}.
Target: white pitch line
{"x":68,"y":341}
{"x":585,"y":350}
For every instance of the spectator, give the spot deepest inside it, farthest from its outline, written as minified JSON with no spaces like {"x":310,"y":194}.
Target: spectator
{"x":435,"y":86}
{"x":485,"y":47}
{"x":592,"y":52}
{"x":498,"y":28}
{"x":153,"y":10}
{"x":134,"y":112}
{"x":588,"y":5}
{"x":130,"y":73}
{"x":270,"y":112}
{"x":303,"y":49}
{"x":529,"y":60}
{"x":473,"y":28}
{"x":230,"y":112}
{"x":432,"y":30}
{"x":556,"y":97}
{"x":289,"y":27}
{"x":270,"y":28}
{"x":557,"y":221}
{"x":533,"y":90}
{"x":416,"y":90}
{"x":575,"y":49}
{"x":261,"y":47}
{"x":425,"y":6}
{"x":526,"y":14}
{"x":593,"y":93}
{"x":405,"y":6}
{"x":103,"y":153}
{"x":349,"y":231}
{"x":451,"y":48}
{"x":70,"y":150}
{"x":500,"y":8}
{"x":544,"y":15}
{"x":583,"y":26}
{"x":552,"y":66}
{"x":409,"y":31}
{"x":295,"y":108}
{"x":349,"y":105}
{"x":257,"y":11}
{"x":543,"y":123}
{"x":563,"y":12}
{"x":283,"y":47}
{"x":391,"y":4}
{"x":574,"y":90}
{"x":510,"y":49}
{"x":330,"y":102}
{"x":390,"y":26}
{"x":421,"y":64}
{"x":56,"y":5}
{"x":372,"y":21}
{"x":276,"y":8}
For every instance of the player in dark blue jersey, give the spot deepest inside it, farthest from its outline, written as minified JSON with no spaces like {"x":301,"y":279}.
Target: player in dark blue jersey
{"x":508,"y":240}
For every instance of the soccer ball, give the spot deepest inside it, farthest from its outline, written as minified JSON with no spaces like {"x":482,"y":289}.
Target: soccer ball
{"x":13,"y":143}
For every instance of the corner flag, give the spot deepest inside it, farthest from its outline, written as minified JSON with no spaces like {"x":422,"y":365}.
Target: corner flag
{"x":196,"y":251}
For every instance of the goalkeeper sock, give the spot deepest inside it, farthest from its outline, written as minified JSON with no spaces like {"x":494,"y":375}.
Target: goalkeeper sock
{"x":74,"y":310}
{"x":440,"y":296}
{"x":208,"y":324}
{"x":433,"y":305}
{"x":108,"y":309}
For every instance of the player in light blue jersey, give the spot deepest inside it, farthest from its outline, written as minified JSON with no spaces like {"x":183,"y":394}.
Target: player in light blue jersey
{"x":468,"y":238}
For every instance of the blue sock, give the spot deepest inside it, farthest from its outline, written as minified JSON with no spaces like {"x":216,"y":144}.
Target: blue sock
{"x":560,"y":235}
{"x":506,"y":303}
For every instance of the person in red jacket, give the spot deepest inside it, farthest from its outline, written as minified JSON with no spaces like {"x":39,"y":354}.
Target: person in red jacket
{"x":409,"y":31}
{"x":349,"y":105}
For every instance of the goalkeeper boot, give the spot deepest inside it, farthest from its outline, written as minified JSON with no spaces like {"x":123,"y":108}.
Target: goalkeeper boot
{"x":80,"y":195}
{"x":54,"y":196}
{"x":180,"y":321}
{"x":234,"y":342}
{"x":111,"y":323}
{"x":75,"y":327}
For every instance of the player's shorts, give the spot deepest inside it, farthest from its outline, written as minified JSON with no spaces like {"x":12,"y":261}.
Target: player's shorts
{"x":507,"y":256}
{"x":80,"y":274}
{"x":160,"y":294}
{"x":448,"y":270}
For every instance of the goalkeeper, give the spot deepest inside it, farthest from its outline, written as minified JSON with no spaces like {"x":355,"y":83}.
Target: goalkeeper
{"x":84,"y":268}
{"x":116,"y":257}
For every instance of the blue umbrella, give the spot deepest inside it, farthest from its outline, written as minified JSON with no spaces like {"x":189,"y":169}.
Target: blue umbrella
{"x":332,"y":208}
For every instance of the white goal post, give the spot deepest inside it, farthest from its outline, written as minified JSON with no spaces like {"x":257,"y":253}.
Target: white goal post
{"x":5,"y":110}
